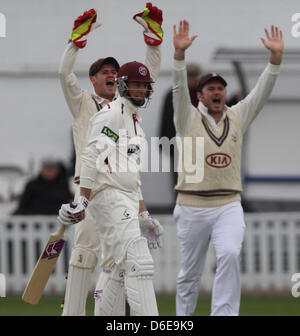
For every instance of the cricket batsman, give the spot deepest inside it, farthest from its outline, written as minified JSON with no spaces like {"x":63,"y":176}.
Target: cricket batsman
{"x":210,"y":209}
{"x":84,"y":105}
{"x":110,"y":190}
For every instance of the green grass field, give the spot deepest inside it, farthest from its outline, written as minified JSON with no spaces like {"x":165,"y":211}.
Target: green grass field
{"x":250,"y":306}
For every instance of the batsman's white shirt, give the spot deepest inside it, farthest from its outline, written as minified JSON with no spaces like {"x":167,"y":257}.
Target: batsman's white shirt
{"x":113,"y":150}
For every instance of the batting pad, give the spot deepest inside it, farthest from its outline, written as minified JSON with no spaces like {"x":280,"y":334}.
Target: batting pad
{"x":139,"y":270}
{"x":77,"y":291}
{"x":109,"y":294}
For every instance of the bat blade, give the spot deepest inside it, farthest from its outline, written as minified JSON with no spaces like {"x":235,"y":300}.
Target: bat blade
{"x":44,"y":267}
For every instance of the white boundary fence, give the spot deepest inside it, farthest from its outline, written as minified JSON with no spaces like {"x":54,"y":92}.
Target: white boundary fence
{"x":270,"y":253}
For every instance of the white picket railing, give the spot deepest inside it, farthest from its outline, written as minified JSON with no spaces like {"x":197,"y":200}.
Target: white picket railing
{"x":270,"y":253}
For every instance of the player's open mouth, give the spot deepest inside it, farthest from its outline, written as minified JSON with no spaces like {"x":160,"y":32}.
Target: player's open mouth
{"x":110,"y":83}
{"x":216,"y":101}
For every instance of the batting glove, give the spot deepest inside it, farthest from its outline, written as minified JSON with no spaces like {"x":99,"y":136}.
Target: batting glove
{"x":151,"y":19}
{"x":151,"y":230}
{"x":73,"y":213}
{"x":82,"y":26}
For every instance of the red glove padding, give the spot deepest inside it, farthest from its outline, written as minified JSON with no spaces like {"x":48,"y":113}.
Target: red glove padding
{"x":82,"y":26}
{"x":152,"y":15}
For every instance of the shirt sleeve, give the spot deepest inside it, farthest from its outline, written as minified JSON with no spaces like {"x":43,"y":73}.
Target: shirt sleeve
{"x":248,"y":108}
{"x":184,"y":111}
{"x":153,"y":61}
{"x":69,"y":83}
{"x":102,"y":138}
{"x":140,"y":194}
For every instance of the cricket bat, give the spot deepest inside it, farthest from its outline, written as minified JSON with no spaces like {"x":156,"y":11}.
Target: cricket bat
{"x":44,"y":267}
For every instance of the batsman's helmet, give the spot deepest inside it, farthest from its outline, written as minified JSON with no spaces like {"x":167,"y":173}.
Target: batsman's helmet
{"x":133,"y":72}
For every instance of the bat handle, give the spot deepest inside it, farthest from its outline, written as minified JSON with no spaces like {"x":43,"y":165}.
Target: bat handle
{"x":61,"y":230}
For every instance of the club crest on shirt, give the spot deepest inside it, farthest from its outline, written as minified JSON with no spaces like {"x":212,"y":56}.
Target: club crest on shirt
{"x":107,"y":131}
{"x":234,"y":137}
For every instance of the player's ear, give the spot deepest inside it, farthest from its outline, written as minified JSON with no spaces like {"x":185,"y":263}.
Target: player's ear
{"x":93,"y":79}
{"x":199,"y":95}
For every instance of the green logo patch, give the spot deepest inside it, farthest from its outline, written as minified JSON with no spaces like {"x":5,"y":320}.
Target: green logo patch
{"x":107,"y":131}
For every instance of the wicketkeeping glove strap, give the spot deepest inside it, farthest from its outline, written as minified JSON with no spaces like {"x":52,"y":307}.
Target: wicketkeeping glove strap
{"x":82,"y":26}
{"x":153,"y":17}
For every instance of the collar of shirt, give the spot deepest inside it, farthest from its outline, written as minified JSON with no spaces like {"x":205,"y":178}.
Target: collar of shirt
{"x":131,"y":109}
{"x":102,"y":101}
{"x":203,"y":110}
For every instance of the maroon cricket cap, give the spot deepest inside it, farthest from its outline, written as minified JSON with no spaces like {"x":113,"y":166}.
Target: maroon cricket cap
{"x":96,"y":66}
{"x":135,"y":72}
{"x":209,"y":77}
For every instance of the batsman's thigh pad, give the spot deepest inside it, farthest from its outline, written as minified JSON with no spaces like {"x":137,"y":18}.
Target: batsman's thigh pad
{"x":139,"y":270}
{"x":109,"y":294}
{"x":78,"y":284}
{"x":84,"y":258}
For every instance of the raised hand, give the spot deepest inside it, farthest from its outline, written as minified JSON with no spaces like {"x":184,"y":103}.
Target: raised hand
{"x":181,"y":38}
{"x":82,"y":26}
{"x":151,"y":19}
{"x":274,"y":43}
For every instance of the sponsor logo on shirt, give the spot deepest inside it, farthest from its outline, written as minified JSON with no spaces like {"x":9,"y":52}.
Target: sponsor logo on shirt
{"x":107,"y":131}
{"x":218,"y":160}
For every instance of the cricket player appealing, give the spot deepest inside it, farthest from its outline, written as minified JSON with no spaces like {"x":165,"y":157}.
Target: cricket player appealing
{"x":83,"y":105}
{"x":210,"y":209}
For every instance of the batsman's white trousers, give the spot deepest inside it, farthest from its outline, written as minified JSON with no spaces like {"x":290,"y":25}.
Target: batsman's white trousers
{"x":116,"y":219}
{"x":123,"y":251}
{"x":224,"y":226}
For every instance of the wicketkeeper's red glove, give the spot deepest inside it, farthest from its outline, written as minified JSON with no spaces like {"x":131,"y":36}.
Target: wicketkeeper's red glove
{"x":82,"y":26}
{"x":153,"y":19}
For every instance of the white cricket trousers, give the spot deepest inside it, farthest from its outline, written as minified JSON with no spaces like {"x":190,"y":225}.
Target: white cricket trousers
{"x":224,"y":226}
{"x":116,"y":220}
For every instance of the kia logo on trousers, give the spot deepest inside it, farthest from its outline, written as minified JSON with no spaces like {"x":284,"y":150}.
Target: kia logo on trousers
{"x":218,"y":160}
